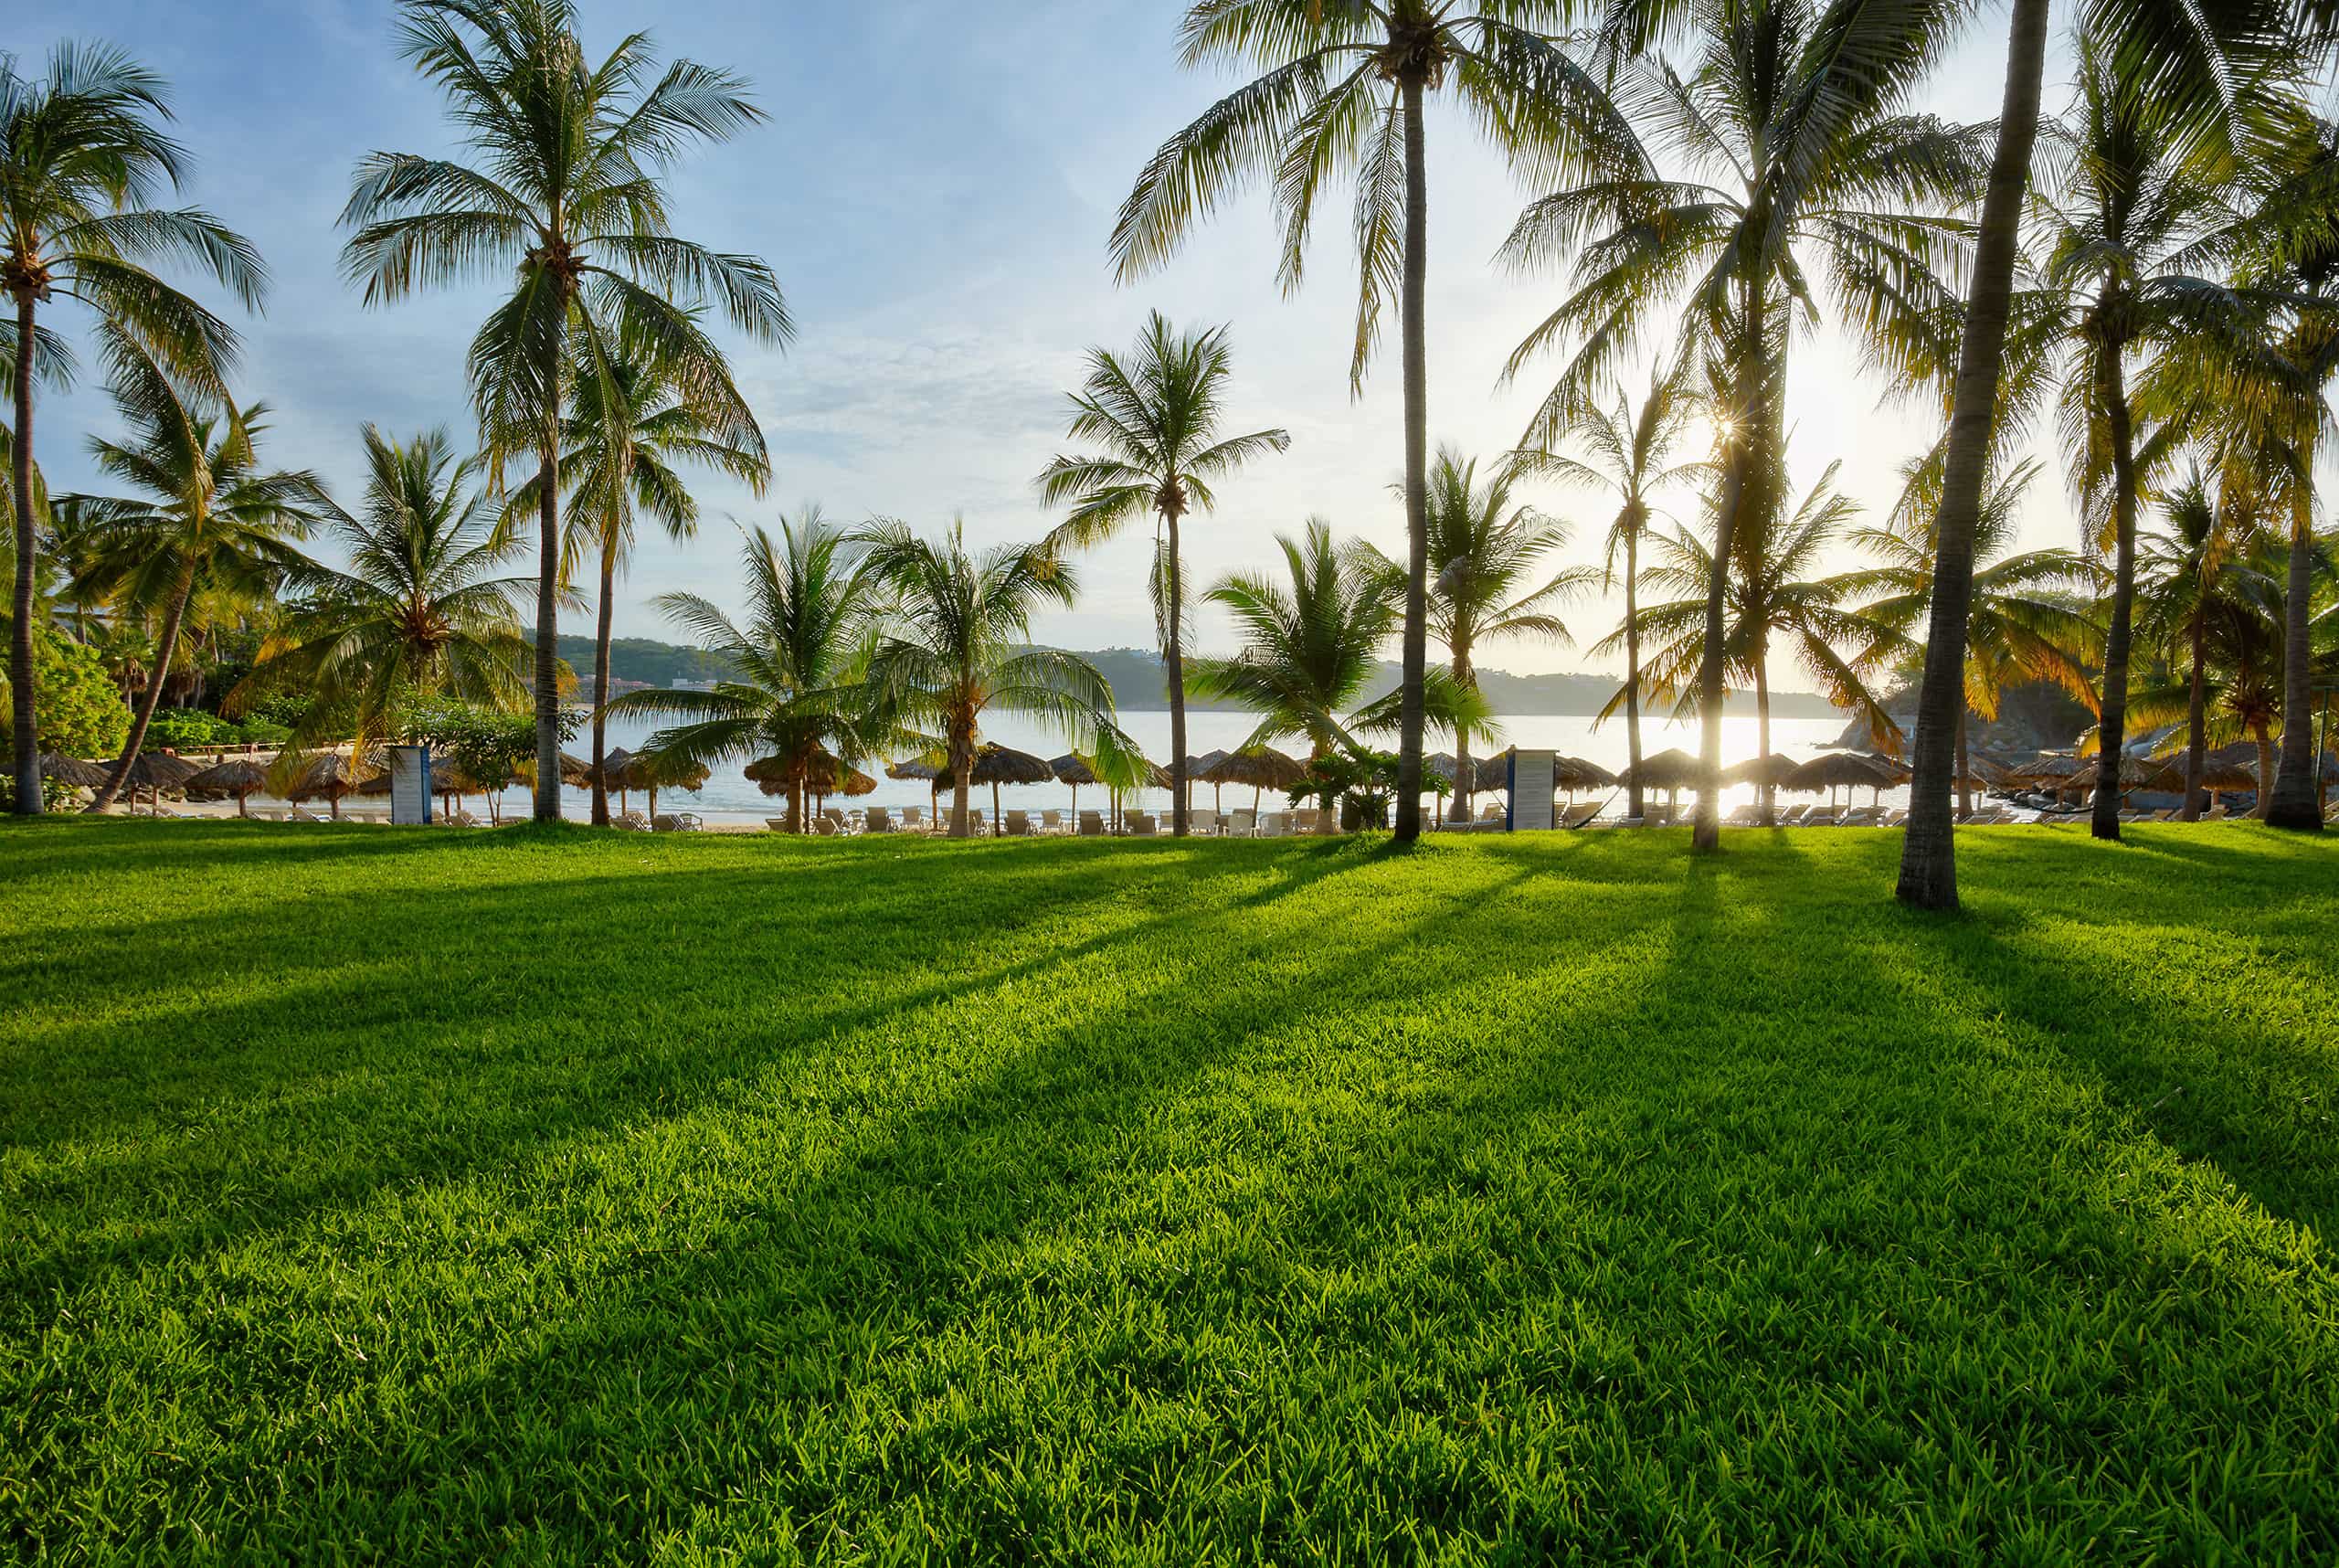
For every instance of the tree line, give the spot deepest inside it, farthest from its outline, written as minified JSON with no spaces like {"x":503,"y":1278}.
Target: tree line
{"x":1714,"y":179}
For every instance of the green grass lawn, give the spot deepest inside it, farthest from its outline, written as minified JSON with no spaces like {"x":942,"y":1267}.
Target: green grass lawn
{"x":562,"y":1197}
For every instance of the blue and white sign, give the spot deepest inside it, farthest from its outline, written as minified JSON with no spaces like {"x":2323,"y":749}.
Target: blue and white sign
{"x":410,"y":785}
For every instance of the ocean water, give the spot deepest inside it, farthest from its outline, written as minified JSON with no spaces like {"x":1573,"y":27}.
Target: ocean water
{"x":728,"y":796}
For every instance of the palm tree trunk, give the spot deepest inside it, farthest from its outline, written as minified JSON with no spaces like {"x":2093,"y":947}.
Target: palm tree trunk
{"x":1928,"y":852}
{"x":2197,"y":740}
{"x":962,"y":762}
{"x":601,"y":680}
{"x":2266,"y":766}
{"x":1763,"y":787}
{"x":547,"y":800}
{"x":1965,"y":779}
{"x":146,"y":706}
{"x":27,"y":769}
{"x":1175,"y":653}
{"x":1416,"y":354}
{"x":1706,"y":833}
{"x":1464,"y":776}
{"x":2295,"y":801}
{"x":1633,"y":670}
{"x":2111,"y":735}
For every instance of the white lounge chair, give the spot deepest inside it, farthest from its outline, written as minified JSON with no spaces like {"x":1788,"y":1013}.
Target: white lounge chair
{"x":1051,"y":821}
{"x":776,"y":824}
{"x":1743,"y":817}
{"x":914,"y":818}
{"x":1018,"y":825}
{"x":635,"y":822}
{"x":1141,"y":824}
{"x":1239,"y":824}
{"x":1091,"y":824}
{"x":1272,"y":825}
{"x":877,"y":819}
{"x":300,"y":814}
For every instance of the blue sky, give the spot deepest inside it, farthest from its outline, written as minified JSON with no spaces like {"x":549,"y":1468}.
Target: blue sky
{"x":934,"y":191}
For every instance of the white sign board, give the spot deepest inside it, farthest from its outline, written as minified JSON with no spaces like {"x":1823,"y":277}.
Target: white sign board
{"x":1531,"y":791}
{"x":410,"y":784}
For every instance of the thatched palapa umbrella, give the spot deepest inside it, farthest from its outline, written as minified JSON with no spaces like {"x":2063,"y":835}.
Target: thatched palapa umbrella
{"x":153,"y":772}
{"x":1195,"y":767}
{"x":614,"y":763}
{"x":1261,"y":766}
{"x":240,"y":777}
{"x":653,"y":771}
{"x":1832,"y":770}
{"x":71,"y":771}
{"x":1671,"y":770}
{"x":331,"y":777}
{"x":996,"y":765}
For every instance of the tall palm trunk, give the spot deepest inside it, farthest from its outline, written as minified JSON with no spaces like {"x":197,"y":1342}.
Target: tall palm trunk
{"x":1416,"y":351}
{"x":962,"y":763}
{"x":2295,"y":801}
{"x":1965,"y":778}
{"x":2112,"y":723}
{"x":1763,"y":789}
{"x":1706,"y":834}
{"x":20,"y":642}
{"x":147,"y":703}
{"x":2197,"y":705}
{"x":1175,"y":648}
{"x":1633,"y":670}
{"x":1465,"y":778}
{"x":1928,"y":852}
{"x":548,"y":798}
{"x":2266,"y":765}
{"x":602,"y":679}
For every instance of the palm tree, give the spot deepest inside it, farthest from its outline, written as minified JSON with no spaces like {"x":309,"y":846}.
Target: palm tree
{"x":1154,"y":415}
{"x":1790,"y":120}
{"x":82,"y":156}
{"x":1770,"y":597}
{"x":957,"y":644}
{"x":2024,"y":626}
{"x":2187,"y":59}
{"x":621,"y":442}
{"x":209,"y":516}
{"x":1341,"y":93}
{"x":2180,"y":586}
{"x":1486,"y":549}
{"x":1631,"y":451}
{"x":2125,"y":229}
{"x":2240,"y":674}
{"x":1309,"y":649}
{"x":422,"y":610}
{"x":564,"y":199}
{"x":800,"y":659}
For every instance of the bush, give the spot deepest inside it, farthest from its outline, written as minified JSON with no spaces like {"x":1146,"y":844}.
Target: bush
{"x":182,"y":729}
{"x":77,"y":709}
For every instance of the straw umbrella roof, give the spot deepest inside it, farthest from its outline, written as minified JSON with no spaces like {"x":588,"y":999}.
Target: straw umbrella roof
{"x":2221,"y":773}
{"x":2051,"y":770}
{"x":644,"y":768}
{"x":1444,"y":764}
{"x":613,"y":767}
{"x":328,"y":776}
{"x":575,"y":769}
{"x":1262,"y":768}
{"x":1773,"y":769}
{"x":1834,"y":769}
{"x":1072,"y":768}
{"x":1002,"y":765}
{"x":928,"y":764}
{"x":153,"y":770}
{"x":855,"y":782}
{"x":1197,"y":766}
{"x":72,"y":771}
{"x":237,"y":776}
{"x":1670,"y":770}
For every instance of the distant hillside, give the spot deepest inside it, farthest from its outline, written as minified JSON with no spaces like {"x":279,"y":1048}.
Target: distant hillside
{"x":1141,"y":685}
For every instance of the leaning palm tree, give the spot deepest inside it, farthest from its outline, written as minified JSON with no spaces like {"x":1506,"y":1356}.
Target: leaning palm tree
{"x":207,"y":514}
{"x":2129,"y":235}
{"x":957,"y":645}
{"x":626,"y":435}
{"x":2188,"y":59}
{"x":2027,"y":623}
{"x":1773,"y":597}
{"x":423,"y":610}
{"x":1342,"y":92}
{"x":1632,"y":452}
{"x":1802,"y":160}
{"x":82,"y":156}
{"x":1153,"y":416}
{"x":565,"y":200}
{"x":1486,"y":549}
{"x":797,"y":690}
